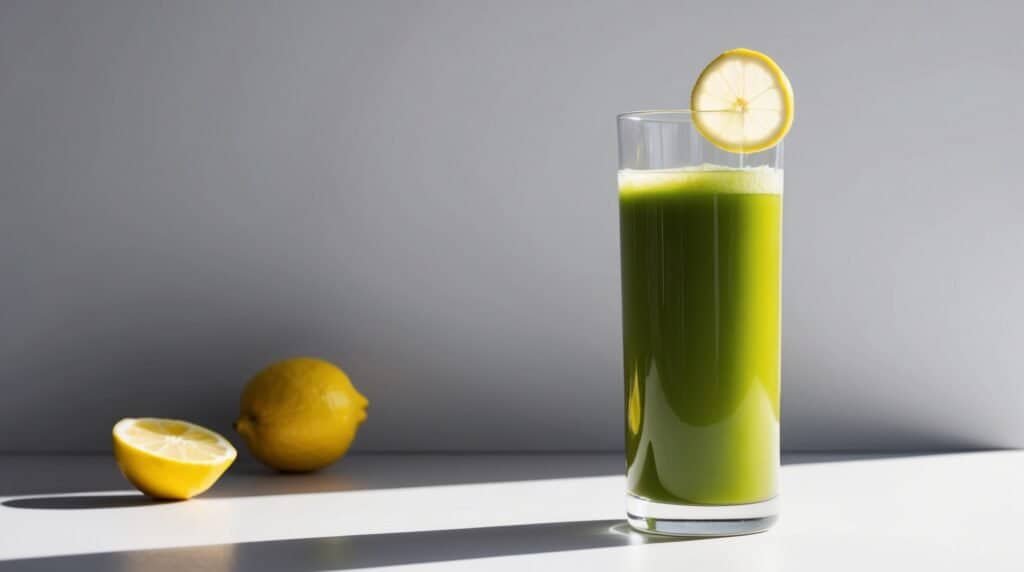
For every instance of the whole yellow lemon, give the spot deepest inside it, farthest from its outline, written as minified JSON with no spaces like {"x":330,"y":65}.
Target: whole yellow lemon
{"x":300,"y":414}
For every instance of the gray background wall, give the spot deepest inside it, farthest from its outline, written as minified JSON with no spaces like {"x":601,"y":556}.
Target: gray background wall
{"x":424,"y":192}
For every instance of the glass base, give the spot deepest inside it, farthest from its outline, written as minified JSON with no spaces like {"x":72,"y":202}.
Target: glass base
{"x":700,"y":520}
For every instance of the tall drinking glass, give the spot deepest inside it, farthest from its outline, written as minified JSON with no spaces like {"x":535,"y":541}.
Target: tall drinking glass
{"x":701,"y":266}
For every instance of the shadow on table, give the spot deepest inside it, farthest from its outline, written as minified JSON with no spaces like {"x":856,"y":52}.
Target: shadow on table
{"x":809,"y":457}
{"x":57,"y":475}
{"x":353,"y":552}
{"x":100,"y":486}
{"x":84,"y":502}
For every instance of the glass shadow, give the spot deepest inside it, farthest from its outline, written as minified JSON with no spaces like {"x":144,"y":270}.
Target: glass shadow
{"x":354,"y":552}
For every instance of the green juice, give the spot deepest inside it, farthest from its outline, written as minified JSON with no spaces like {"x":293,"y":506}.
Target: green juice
{"x":701,"y":254}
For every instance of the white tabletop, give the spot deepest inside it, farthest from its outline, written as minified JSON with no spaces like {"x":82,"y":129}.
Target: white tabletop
{"x":507,"y":513}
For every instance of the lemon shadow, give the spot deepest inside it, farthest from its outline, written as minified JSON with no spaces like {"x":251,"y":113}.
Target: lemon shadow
{"x":84,"y":502}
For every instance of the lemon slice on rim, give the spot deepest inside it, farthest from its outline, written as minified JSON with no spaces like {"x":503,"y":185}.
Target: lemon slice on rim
{"x":170,"y":459}
{"x":742,"y":102}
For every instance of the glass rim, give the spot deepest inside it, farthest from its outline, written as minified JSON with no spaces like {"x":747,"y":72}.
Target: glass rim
{"x":665,"y":115}
{"x":659,"y":115}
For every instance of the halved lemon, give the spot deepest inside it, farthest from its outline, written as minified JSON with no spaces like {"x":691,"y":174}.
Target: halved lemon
{"x":170,"y":459}
{"x":742,"y":102}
